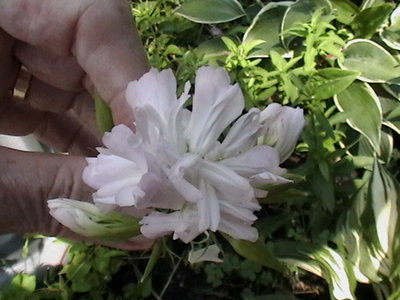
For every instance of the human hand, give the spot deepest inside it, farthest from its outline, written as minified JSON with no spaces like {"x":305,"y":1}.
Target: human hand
{"x":72,"y":49}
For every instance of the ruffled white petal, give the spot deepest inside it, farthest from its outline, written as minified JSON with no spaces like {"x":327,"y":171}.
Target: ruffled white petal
{"x":243,"y":134}
{"x":183,"y":224}
{"x":216,"y":103}
{"x":257,"y":160}
{"x":237,"y":228}
{"x":157,"y":89}
{"x":282,"y":126}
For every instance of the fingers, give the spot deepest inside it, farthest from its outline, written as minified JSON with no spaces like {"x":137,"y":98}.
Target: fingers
{"x":61,"y":72}
{"x":46,"y":24}
{"x":119,"y":51}
{"x":9,"y":67}
{"x":100,"y":34}
{"x":63,"y":132}
{"x":28,"y":180}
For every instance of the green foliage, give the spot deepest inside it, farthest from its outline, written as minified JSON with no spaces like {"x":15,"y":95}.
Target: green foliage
{"x":211,"y":11}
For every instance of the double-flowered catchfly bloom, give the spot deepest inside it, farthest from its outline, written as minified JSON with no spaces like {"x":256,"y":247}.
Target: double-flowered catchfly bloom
{"x":188,"y":171}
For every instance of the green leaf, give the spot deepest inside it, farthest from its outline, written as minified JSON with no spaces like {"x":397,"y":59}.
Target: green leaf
{"x":322,"y":261}
{"x":371,"y":3}
{"x":266,"y":27}
{"x":103,"y":115}
{"x":257,"y":252}
{"x":211,"y":11}
{"x":346,"y":10}
{"x":386,"y":149}
{"x":373,"y":61}
{"x":229,"y":43}
{"x":383,"y":197}
{"x":301,"y":12}
{"x":155,"y":255}
{"x":25,"y":282}
{"x":364,"y":111}
{"x":278,"y":61}
{"x":370,"y":19}
{"x":326,"y":83}
{"x":212,"y":50}
{"x":391,"y":34}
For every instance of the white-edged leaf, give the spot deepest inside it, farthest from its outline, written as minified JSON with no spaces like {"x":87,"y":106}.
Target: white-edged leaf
{"x":346,"y":10}
{"x":211,"y":11}
{"x":363,"y":111}
{"x":266,"y":26}
{"x":301,"y":12}
{"x":321,"y":261}
{"x":374,"y":62}
{"x":391,"y":34}
{"x":383,"y":194}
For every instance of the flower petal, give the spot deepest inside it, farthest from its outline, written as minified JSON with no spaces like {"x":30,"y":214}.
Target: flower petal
{"x":182,"y":223}
{"x":237,"y":228}
{"x":157,"y":89}
{"x":216,"y":103}
{"x":88,"y":220}
{"x":227,"y":182}
{"x":243,"y":134}
{"x":209,"y":211}
{"x":282,"y":126}
{"x":177,"y":174}
{"x":257,"y":160}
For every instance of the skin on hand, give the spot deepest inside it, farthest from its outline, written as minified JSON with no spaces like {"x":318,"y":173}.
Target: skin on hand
{"x":73,"y":49}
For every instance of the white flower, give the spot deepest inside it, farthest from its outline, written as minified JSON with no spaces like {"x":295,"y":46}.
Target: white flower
{"x":88,"y":220}
{"x":191,"y":171}
{"x":282,"y":126}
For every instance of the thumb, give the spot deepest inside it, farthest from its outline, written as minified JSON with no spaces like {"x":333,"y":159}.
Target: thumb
{"x":28,"y":180}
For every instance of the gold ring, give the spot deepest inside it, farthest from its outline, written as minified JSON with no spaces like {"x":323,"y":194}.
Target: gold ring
{"x":22,"y":84}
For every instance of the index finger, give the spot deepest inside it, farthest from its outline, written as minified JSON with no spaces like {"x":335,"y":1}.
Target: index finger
{"x":99,"y":33}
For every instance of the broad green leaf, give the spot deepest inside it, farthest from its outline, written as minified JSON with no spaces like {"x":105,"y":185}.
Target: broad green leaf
{"x":266,"y":27}
{"x":25,"y":282}
{"x":391,"y":34}
{"x":103,"y":115}
{"x":299,"y":13}
{"x":365,"y":114}
{"x":383,"y":198}
{"x":386,"y":147}
{"x":368,"y":21}
{"x":370,"y":3}
{"x":394,"y":296}
{"x":212,"y":50}
{"x":211,"y":11}
{"x":373,"y":61}
{"x":322,"y":261}
{"x":346,"y":10}
{"x":326,"y":83}
{"x":257,"y":252}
